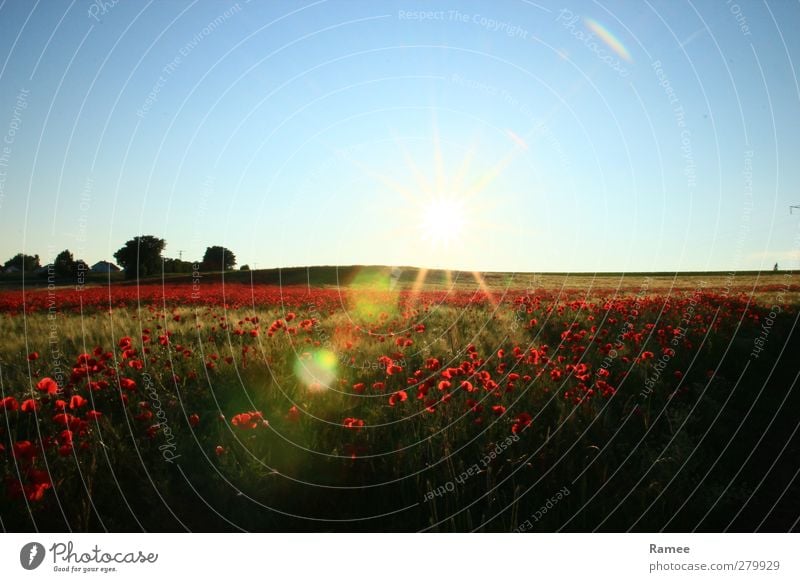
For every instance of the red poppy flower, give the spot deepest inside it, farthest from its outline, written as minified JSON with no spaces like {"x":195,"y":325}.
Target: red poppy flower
{"x":194,"y":420}
{"x":34,"y":490}
{"x":24,"y":450}
{"x":400,"y":396}
{"x":135,"y":364}
{"x":241,"y":419}
{"x":33,"y":356}
{"x":47,"y":385}
{"x":393,"y":369}
{"x":77,"y":401}
{"x":9,"y":403}
{"x":63,"y":419}
{"x":522,"y":421}
{"x":65,"y":437}
{"x":433,"y":364}
{"x":474,"y":406}
{"x":145,"y":415}
{"x":248,"y":420}
{"x":354,"y":423}
{"x":293,"y":415}
{"x":127,"y":384}
{"x":93,"y":415}
{"x":30,"y":405}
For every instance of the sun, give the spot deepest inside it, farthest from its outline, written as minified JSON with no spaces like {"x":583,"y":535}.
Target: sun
{"x":443,"y":220}
{"x":442,"y":216}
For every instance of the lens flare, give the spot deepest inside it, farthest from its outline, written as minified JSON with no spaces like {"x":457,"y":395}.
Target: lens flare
{"x":517,"y":139}
{"x":607,"y":37}
{"x":373,"y":295}
{"x":316,"y":370}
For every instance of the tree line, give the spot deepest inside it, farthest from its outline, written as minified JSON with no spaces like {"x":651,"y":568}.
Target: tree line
{"x":139,"y":257}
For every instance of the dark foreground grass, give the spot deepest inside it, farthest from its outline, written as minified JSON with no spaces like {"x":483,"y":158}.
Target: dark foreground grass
{"x":397,"y":404}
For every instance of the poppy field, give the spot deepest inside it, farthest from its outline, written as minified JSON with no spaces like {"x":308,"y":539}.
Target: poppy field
{"x":642,"y":404}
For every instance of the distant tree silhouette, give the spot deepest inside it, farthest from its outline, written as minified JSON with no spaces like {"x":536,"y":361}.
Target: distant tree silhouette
{"x":177,"y":266}
{"x":79,"y":271}
{"x":64,"y":263}
{"x":218,"y":258}
{"x":23,"y":262}
{"x":141,"y":256}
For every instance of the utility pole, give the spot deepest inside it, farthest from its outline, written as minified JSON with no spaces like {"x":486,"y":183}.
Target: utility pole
{"x":180,"y":255}
{"x":797,"y":206}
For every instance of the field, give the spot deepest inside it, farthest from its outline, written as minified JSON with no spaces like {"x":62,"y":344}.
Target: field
{"x":376,"y":399}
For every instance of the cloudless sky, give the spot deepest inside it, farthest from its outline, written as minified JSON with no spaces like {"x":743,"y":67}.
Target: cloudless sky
{"x":513,"y":135}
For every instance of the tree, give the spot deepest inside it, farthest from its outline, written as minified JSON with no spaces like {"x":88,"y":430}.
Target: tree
{"x":218,"y":259}
{"x":177,"y":266}
{"x":141,"y":256}
{"x":23,"y":262}
{"x":64,"y":263}
{"x":244,"y":268}
{"x":80,"y":270}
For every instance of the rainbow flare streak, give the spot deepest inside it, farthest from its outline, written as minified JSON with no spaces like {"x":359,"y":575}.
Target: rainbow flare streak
{"x":607,"y":37}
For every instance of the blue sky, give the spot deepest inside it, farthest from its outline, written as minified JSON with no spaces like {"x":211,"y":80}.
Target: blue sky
{"x":569,"y":136}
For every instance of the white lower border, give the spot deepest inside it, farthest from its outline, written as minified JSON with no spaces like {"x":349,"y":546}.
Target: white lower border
{"x":403,"y":557}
